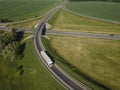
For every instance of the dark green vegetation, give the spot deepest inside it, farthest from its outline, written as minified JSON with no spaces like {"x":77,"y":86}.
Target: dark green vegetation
{"x":12,"y":10}
{"x":4,"y":20}
{"x":65,"y":21}
{"x":104,"y":10}
{"x":11,"y":51}
{"x":95,"y":62}
{"x":26,"y":72}
{"x":9,"y":37}
{"x":1,"y":31}
{"x":35,"y":76}
{"x":95,"y":0}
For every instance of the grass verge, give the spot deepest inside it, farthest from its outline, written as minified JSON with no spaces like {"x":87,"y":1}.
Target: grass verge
{"x":34,"y":76}
{"x":28,"y":25}
{"x":65,"y":21}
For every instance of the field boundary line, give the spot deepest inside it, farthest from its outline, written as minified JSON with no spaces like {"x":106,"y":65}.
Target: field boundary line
{"x":27,"y":20}
{"x":90,"y":17}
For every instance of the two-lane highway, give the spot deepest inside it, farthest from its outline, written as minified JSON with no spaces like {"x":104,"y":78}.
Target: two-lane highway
{"x":55,"y":72}
{"x":84,"y":34}
{"x":69,"y":33}
{"x":66,"y":81}
{"x":69,"y":84}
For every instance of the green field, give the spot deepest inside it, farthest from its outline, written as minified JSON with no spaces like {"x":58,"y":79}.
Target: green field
{"x":34,"y":77}
{"x":104,"y":10}
{"x":24,"y":9}
{"x":95,"y":62}
{"x":28,"y":24}
{"x":65,"y":21}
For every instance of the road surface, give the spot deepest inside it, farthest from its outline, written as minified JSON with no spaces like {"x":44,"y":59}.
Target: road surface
{"x":66,"y":81}
{"x":82,"y":34}
{"x":68,"y":33}
{"x":59,"y":75}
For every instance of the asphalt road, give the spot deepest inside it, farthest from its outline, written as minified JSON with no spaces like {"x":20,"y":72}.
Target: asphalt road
{"x":66,"y":81}
{"x":3,"y":28}
{"x":70,"y":84}
{"x":81,"y":34}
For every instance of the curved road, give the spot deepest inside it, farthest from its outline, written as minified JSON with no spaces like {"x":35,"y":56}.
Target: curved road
{"x":57,"y":73}
{"x":66,"y":81}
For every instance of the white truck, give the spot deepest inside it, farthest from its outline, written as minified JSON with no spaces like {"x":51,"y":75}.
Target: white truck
{"x":46,"y":58}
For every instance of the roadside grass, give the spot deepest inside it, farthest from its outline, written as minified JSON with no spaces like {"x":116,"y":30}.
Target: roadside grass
{"x":105,"y":10}
{"x":28,"y":24}
{"x":94,"y":62}
{"x":65,"y":21}
{"x":7,"y":82}
{"x":25,"y":9}
{"x":26,"y":35}
{"x":35,"y":76}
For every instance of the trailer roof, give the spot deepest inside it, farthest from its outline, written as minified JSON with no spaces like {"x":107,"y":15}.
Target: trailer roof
{"x":45,"y":56}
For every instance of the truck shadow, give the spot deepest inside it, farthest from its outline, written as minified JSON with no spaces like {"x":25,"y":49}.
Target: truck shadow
{"x":50,"y":56}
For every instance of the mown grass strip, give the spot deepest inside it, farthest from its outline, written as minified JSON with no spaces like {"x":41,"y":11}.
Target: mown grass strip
{"x":28,"y":25}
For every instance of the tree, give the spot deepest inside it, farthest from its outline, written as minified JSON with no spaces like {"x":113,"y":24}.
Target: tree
{"x":2,"y":45}
{"x":8,"y":36}
{"x":5,"y":20}
{"x":12,"y":51}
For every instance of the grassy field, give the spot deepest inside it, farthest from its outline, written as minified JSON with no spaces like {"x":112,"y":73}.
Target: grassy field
{"x":34,"y":77}
{"x":95,"y":62}
{"x":105,"y":10}
{"x":27,"y":25}
{"x":24,"y":9}
{"x":66,"y":21}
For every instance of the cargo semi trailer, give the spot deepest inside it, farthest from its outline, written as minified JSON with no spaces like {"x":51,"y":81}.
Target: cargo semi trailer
{"x":46,"y":58}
